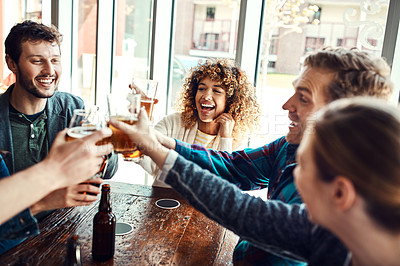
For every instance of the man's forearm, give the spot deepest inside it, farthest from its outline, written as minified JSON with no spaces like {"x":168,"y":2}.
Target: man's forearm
{"x":33,"y":184}
{"x":167,"y":142}
{"x":158,"y":154}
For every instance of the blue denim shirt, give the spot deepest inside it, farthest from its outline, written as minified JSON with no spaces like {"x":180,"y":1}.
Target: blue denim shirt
{"x":18,"y":228}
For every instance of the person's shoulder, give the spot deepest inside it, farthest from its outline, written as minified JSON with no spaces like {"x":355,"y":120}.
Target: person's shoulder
{"x":66,"y":95}
{"x":275,"y":146}
{"x":279,"y":142}
{"x":4,"y":96}
{"x":175,"y":117}
{"x":64,"y":103}
{"x":67,"y":98}
{"x":170,"y":123}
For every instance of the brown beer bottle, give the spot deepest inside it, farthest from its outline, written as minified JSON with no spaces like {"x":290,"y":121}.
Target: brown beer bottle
{"x":103,"y":244}
{"x":73,"y":252}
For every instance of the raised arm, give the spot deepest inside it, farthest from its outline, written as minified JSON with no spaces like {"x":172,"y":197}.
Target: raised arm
{"x":66,"y":164}
{"x":277,"y":227}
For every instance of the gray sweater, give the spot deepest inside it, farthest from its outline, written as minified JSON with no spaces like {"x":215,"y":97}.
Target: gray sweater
{"x":274,"y":226}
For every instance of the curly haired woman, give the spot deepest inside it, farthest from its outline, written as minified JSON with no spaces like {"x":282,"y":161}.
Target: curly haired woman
{"x":217,"y":109}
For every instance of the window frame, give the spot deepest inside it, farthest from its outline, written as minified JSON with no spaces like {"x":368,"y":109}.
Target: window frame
{"x":248,"y":41}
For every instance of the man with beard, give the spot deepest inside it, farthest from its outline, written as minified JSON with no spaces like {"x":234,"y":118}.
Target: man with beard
{"x":32,"y":112}
{"x":327,"y":75}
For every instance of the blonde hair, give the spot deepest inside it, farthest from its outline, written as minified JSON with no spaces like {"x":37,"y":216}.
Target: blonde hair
{"x":240,"y":103}
{"x":359,"y":138}
{"x":357,"y":73}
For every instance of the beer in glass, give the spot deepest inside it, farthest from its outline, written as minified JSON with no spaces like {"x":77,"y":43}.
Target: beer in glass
{"x":147,"y":88}
{"x":124,"y":107}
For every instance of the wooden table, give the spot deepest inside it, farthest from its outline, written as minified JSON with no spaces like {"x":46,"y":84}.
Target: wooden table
{"x":182,"y":236}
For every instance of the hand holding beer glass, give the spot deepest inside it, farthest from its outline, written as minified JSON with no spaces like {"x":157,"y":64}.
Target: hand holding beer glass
{"x":147,"y":89}
{"x":124,"y":107}
{"x":83,"y":123}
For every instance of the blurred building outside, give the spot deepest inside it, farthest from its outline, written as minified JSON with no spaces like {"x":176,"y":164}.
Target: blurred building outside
{"x":291,"y":29}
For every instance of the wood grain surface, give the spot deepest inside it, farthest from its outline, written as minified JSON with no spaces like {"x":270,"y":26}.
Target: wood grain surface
{"x":181,"y":236}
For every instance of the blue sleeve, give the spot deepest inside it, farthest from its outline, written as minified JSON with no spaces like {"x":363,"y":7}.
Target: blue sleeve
{"x":20,"y":226}
{"x":248,"y":169}
{"x":271,"y":225}
{"x":3,"y":168}
{"x":17,"y":229}
{"x":274,"y":226}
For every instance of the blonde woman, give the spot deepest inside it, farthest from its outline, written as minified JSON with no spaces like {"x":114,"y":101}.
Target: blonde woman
{"x":348,"y":175}
{"x":217,"y":109}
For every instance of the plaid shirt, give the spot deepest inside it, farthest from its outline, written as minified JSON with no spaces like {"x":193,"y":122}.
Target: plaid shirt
{"x":269,"y":166}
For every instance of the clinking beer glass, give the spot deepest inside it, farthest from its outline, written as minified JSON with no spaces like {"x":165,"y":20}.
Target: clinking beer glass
{"x":84,"y":122}
{"x":124,"y":107}
{"x":147,"y":89}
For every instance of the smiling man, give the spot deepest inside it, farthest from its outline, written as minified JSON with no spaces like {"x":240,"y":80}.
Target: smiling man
{"x":327,"y":75}
{"x":32,"y":112}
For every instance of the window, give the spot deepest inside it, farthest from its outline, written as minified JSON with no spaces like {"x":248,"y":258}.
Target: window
{"x":198,"y":37}
{"x":316,"y":16}
{"x":274,"y":45}
{"x":84,"y":56}
{"x":210,"y":15}
{"x":210,"y":41}
{"x":132,"y":40}
{"x":14,"y":12}
{"x":292,"y":34}
{"x":313,"y":43}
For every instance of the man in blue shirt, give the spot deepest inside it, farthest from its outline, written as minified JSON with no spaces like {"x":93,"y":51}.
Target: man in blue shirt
{"x":33,"y":112}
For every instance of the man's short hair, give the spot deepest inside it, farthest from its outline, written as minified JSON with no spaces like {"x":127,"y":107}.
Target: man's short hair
{"x":29,"y":31}
{"x":357,"y":73}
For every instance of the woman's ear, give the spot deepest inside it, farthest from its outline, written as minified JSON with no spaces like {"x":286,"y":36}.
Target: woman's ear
{"x":344,"y":194}
{"x":12,"y":65}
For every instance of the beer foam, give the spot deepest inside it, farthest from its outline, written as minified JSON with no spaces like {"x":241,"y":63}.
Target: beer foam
{"x":147,"y":101}
{"x":80,"y":132}
{"x":124,"y":118}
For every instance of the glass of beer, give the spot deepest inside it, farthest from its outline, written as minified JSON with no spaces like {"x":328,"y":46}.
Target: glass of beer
{"x":147,"y":88}
{"x":124,"y":107}
{"x":83,"y":123}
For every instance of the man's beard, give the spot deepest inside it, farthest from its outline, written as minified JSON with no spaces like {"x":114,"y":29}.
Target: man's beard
{"x":30,"y":87}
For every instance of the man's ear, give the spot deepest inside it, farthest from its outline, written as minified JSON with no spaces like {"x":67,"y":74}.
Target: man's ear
{"x":12,"y":65}
{"x":344,"y":194}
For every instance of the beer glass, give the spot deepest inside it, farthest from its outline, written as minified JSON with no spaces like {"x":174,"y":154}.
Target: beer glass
{"x":83,"y":123}
{"x":124,"y":107}
{"x":147,"y":88}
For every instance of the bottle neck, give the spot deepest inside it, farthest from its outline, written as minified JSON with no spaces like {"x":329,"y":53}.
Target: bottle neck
{"x":105,"y":202}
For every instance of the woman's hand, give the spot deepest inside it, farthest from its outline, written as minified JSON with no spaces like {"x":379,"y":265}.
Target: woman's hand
{"x":136,"y":90}
{"x":226,"y":124}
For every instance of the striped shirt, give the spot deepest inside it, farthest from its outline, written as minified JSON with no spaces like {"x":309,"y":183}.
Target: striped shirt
{"x":204,"y":139}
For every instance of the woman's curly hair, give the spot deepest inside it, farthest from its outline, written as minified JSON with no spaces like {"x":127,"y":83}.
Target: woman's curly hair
{"x":241,"y":102}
